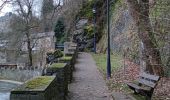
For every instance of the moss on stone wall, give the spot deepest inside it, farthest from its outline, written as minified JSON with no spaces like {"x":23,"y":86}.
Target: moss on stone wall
{"x":66,"y":58}
{"x":57,"y":65}
{"x":38,"y":83}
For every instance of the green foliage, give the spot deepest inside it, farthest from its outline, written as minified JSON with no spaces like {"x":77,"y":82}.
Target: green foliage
{"x":89,"y":30}
{"x":58,"y":53}
{"x":63,"y":39}
{"x":86,"y":11}
{"x":116,"y":4}
{"x":49,"y":53}
{"x":59,"y":29}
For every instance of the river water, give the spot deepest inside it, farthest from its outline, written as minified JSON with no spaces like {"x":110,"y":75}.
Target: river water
{"x":5,"y":87}
{"x":18,"y":75}
{"x":4,"y":96}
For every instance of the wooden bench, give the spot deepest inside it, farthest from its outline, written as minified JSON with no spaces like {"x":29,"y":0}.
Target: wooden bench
{"x":144,"y":85}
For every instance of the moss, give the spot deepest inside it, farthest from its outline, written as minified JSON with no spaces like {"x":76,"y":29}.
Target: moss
{"x":39,"y":83}
{"x":66,"y":58}
{"x":57,"y":65}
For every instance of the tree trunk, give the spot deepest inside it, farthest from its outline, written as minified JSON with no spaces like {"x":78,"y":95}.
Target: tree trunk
{"x":140,"y":13}
{"x":29,"y":49}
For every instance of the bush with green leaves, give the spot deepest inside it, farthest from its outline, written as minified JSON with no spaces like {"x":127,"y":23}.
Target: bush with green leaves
{"x":59,"y":29}
{"x":58,"y":53}
{"x":86,"y":10}
{"x":89,"y":30}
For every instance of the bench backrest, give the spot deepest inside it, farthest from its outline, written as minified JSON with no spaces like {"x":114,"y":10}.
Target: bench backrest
{"x":148,"y":80}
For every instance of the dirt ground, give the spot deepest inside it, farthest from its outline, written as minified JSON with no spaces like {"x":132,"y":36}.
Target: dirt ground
{"x":130,"y":72}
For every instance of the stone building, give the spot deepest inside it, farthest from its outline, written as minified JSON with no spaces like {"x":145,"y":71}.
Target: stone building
{"x":41,"y":44}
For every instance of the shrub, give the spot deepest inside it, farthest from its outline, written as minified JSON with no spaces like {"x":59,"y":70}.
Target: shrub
{"x":89,"y":30}
{"x":58,"y":54}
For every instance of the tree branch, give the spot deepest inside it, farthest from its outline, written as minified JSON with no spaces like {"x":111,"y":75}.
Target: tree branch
{"x":3,"y":4}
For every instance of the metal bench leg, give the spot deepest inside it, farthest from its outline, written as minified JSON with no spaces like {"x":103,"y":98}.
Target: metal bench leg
{"x":148,"y":96}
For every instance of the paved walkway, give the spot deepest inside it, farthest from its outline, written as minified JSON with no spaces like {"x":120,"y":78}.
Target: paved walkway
{"x":88,"y":83}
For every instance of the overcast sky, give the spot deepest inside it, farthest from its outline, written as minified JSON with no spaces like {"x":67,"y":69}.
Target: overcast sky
{"x":9,"y":8}
{"x":6,"y":8}
{"x":37,"y":7}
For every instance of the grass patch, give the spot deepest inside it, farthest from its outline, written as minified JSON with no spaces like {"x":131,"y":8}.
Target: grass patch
{"x":101,"y":62}
{"x":39,"y":83}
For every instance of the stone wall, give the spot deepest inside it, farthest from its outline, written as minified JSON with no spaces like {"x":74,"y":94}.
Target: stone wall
{"x":56,"y":89}
{"x":19,"y":75}
{"x":48,"y":92}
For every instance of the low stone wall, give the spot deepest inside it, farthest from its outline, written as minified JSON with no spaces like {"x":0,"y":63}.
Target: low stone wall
{"x":70,"y":66}
{"x":73,"y":55}
{"x":61,"y":71}
{"x":40,"y":88}
{"x":70,"y":59}
{"x":56,"y":88}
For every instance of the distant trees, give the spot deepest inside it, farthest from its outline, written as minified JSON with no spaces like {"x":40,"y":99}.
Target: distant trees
{"x":139,"y":10}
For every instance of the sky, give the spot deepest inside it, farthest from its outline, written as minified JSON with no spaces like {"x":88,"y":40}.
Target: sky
{"x":6,"y":8}
{"x":37,"y":7}
{"x":9,"y":8}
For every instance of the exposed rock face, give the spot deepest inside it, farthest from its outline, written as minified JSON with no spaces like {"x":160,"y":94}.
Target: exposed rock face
{"x":79,"y":35}
{"x":122,"y":31}
{"x":81,"y":23}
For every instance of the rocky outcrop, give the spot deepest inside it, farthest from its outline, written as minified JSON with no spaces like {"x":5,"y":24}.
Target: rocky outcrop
{"x":81,"y":23}
{"x":80,"y":37}
{"x":122,"y":32}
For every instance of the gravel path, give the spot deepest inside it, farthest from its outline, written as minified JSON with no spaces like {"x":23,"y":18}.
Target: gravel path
{"x":88,"y":83}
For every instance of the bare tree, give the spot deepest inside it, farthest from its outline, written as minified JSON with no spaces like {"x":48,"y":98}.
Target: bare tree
{"x":27,"y":23}
{"x":139,"y":10}
{"x":60,"y":8}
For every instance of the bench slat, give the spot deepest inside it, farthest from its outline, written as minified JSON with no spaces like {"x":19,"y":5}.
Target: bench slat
{"x":138,"y":87}
{"x":148,"y":76}
{"x":147,"y":82}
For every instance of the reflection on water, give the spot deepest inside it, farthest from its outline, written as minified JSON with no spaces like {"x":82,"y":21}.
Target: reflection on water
{"x":6,"y":87}
{"x":4,"y":96}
